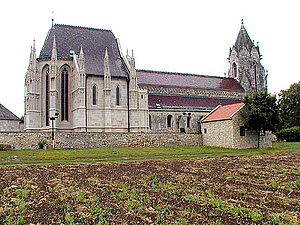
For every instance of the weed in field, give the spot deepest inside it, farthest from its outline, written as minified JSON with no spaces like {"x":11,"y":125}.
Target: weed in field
{"x":297,"y":182}
{"x":236,"y":211}
{"x":69,"y":218}
{"x":274,"y":184}
{"x":80,"y":197}
{"x":255,"y":215}
{"x":217,"y":222}
{"x":243,"y":191}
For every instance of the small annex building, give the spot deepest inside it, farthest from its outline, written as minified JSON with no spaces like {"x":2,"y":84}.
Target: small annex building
{"x":225,"y":127}
{"x":8,"y":120}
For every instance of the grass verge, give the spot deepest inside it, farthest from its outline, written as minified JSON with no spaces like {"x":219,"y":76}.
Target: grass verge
{"x":123,"y":154}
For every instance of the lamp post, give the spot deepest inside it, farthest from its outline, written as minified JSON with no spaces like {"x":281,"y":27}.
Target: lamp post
{"x":52,"y":118}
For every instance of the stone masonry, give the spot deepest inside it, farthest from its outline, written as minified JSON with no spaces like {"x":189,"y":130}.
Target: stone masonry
{"x":23,"y":140}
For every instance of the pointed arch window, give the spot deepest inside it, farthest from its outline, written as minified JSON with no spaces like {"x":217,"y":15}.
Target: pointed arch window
{"x":117,"y":95}
{"x":234,"y":68}
{"x":255,"y":78}
{"x":47,"y":97}
{"x":64,"y":95}
{"x":94,"y":94}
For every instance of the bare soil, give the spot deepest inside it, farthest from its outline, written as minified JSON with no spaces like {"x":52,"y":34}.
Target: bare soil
{"x":258,"y":189}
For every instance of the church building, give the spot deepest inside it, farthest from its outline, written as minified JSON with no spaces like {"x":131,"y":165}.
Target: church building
{"x":82,"y":82}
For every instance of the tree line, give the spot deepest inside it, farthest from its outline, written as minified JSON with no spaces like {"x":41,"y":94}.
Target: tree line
{"x":264,"y":112}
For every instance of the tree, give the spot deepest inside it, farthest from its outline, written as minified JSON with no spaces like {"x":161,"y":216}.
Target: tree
{"x":261,"y":113}
{"x":289,"y":102}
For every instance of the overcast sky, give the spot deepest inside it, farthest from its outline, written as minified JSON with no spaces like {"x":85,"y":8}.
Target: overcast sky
{"x":191,"y":36}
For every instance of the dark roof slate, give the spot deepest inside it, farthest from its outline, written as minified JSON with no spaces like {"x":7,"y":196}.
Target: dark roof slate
{"x":149,"y":77}
{"x":94,"y":41}
{"x":170,"y":101}
{"x":243,"y":40}
{"x":5,"y":114}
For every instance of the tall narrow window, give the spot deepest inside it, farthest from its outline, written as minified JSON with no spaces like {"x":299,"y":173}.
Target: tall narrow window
{"x":94,"y":95}
{"x":64,"y":95}
{"x":149,"y":122}
{"x":255,"y":79}
{"x":47,"y":96}
{"x":242,"y":131}
{"x":117,"y":95}
{"x":169,"y":121}
{"x":234,"y":70}
{"x":188,"y":122}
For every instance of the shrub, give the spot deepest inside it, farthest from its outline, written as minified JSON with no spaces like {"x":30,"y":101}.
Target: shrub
{"x":4,"y":147}
{"x":289,"y":134}
{"x":41,"y":144}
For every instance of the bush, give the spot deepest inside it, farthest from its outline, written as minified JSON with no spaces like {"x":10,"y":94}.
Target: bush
{"x":289,"y":134}
{"x":41,"y":144}
{"x":4,"y":147}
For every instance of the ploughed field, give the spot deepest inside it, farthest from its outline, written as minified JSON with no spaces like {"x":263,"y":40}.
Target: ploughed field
{"x":257,"y":189}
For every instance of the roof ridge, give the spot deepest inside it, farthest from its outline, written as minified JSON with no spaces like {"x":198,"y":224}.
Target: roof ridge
{"x":82,"y":27}
{"x":179,"y":73}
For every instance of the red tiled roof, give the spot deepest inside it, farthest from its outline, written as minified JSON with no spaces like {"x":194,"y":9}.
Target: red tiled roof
{"x":148,"y":77}
{"x":94,"y":41}
{"x":224,"y":112}
{"x":187,"y":102}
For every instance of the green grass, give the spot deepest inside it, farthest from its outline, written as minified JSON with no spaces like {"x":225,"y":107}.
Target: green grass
{"x":50,"y":156}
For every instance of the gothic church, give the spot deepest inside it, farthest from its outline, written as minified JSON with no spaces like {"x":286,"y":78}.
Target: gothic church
{"x":82,"y":77}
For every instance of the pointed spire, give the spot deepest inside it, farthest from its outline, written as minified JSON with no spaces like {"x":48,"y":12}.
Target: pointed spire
{"x":34,"y":65}
{"x":243,"y":39}
{"x":81,"y":60}
{"x":54,"y":50}
{"x":107,"y":77}
{"x":132,"y":75}
{"x":53,"y":58}
{"x":32,"y":60}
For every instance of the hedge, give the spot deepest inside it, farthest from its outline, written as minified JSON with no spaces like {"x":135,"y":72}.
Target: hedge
{"x":289,"y":134}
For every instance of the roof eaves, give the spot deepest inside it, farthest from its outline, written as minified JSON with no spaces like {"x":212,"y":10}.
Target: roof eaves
{"x":239,"y":109}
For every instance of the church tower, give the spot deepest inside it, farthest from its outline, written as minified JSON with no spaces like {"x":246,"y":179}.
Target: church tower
{"x":245,"y":66}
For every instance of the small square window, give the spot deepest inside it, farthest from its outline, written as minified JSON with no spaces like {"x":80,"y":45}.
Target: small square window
{"x":242,"y":131}
{"x":142,"y":96}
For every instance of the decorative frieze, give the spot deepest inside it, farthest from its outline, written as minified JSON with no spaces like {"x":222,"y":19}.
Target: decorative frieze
{"x":192,"y":91}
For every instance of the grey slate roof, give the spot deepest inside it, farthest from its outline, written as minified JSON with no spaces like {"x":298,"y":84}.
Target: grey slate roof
{"x":243,"y":40}
{"x":94,"y":41}
{"x":157,"y":78}
{"x":5,"y":114}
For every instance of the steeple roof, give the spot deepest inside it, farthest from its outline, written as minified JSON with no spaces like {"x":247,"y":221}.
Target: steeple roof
{"x":93,"y":41}
{"x":243,"y":39}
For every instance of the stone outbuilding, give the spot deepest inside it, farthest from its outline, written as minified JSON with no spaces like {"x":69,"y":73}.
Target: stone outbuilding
{"x":8,"y":120}
{"x":225,"y":127}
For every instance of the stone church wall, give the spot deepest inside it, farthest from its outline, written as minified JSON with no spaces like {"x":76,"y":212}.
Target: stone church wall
{"x":10,"y":125}
{"x":158,"y":120}
{"x":23,"y":140}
